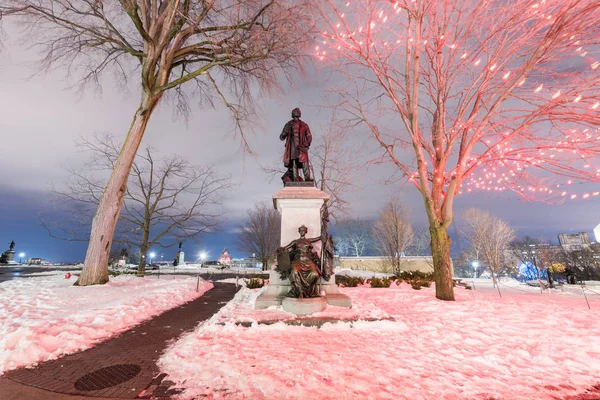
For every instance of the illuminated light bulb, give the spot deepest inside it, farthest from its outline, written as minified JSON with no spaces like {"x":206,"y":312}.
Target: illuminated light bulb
{"x":464,"y":55}
{"x":595,"y":65}
{"x":493,"y":67}
{"x":522,"y":82}
{"x":573,"y":196}
{"x":477,"y":62}
{"x":556,"y":95}
{"x":372,"y":25}
{"x":539,"y":88}
{"x":506,"y":75}
{"x":577,"y":99}
{"x":596,"y":105}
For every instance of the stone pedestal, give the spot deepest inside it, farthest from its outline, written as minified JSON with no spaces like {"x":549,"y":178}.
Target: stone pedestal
{"x":304,"y":306}
{"x":299,"y":205}
{"x":180,"y":257}
{"x":8,"y":257}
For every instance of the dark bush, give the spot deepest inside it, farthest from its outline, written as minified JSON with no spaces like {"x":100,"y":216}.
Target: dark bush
{"x":380,"y":282}
{"x":352,"y":281}
{"x":254,"y":283}
{"x":410,"y":275}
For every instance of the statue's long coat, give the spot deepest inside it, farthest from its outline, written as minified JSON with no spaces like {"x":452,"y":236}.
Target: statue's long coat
{"x":299,"y":132}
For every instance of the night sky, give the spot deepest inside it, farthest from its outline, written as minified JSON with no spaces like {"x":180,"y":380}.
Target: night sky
{"x":42,"y":118}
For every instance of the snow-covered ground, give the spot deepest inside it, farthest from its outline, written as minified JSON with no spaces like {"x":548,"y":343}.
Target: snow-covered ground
{"x":42,"y":318}
{"x":523,"y":345}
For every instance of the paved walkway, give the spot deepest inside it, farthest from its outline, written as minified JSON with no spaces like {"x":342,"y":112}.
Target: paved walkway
{"x":135,"y":352}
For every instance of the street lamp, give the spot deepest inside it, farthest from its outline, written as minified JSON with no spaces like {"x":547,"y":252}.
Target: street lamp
{"x":21,"y":255}
{"x":151,"y":257}
{"x":475,"y":264}
{"x":203,"y":257}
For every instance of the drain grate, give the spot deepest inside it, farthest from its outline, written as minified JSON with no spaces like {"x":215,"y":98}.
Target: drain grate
{"x":107,"y":377}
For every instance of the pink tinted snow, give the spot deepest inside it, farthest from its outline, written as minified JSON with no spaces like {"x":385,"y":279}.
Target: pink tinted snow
{"x":46,"y":317}
{"x":521,"y":346}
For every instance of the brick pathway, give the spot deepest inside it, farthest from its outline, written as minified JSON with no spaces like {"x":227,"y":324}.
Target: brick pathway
{"x":142,"y":346}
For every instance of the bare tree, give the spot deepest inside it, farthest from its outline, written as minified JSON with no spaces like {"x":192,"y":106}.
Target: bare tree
{"x":261,"y":232}
{"x":583,"y":262}
{"x":354,"y":235}
{"x":508,"y":90}
{"x":490,"y":236}
{"x":337,"y":165}
{"x":393,"y":233}
{"x":527,"y":251}
{"x":212,"y":47}
{"x":165,"y":200}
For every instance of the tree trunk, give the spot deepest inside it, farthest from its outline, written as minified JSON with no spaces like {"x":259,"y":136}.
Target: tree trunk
{"x":142,"y":264}
{"x":95,"y":268}
{"x":144,"y":249}
{"x":442,"y":268}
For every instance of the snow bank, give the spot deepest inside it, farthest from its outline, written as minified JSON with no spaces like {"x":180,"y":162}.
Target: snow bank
{"x":241,"y":310}
{"x":42,"y":318}
{"x":521,"y":346}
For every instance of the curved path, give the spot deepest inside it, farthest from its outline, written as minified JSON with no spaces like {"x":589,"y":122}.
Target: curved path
{"x":133,"y":352}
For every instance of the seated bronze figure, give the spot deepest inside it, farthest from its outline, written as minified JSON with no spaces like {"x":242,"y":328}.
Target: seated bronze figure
{"x":300,"y":263}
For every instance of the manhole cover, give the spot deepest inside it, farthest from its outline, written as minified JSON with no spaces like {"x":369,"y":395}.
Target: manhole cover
{"x":107,"y":377}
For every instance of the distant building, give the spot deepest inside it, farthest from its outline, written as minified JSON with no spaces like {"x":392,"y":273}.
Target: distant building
{"x":574,"y":241}
{"x":225,"y":258}
{"x":383,"y":264}
{"x":36,"y":261}
{"x":597,"y":233}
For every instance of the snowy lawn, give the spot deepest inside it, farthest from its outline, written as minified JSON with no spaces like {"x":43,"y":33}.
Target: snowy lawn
{"x":42,"y":318}
{"x":522,"y":346}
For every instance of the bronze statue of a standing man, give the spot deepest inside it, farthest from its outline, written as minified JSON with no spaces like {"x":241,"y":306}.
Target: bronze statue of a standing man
{"x":298,"y":138}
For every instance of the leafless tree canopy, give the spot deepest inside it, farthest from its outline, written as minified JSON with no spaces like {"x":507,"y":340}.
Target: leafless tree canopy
{"x":490,"y":238}
{"x":467,"y":95}
{"x":354,"y":236}
{"x":169,"y":42}
{"x":222,"y":48}
{"x":166,"y":200}
{"x":338,"y":166}
{"x":393,"y":232}
{"x":261,"y":232}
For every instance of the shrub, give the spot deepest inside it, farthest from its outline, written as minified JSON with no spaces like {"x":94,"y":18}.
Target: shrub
{"x":418,"y":283}
{"x":411,"y":275}
{"x":254,"y":283}
{"x":380,"y":282}
{"x":352,"y":281}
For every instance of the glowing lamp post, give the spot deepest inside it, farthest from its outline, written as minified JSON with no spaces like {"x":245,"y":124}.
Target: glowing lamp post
{"x":21,"y":256}
{"x":152,"y":255}
{"x":203,"y":257}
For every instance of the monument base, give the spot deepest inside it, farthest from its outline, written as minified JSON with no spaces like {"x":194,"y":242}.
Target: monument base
{"x":332,"y":293}
{"x":8,"y":257}
{"x":304,"y":306}
{"x":277,"y":289}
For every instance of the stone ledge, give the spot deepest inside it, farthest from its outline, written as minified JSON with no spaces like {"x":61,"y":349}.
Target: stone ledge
{"x":304,"y":306}
{"x":310,"y":321}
